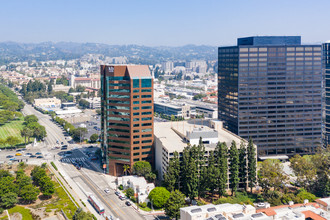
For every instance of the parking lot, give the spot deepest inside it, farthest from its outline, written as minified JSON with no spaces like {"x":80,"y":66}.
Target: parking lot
{"x":93,"y":126}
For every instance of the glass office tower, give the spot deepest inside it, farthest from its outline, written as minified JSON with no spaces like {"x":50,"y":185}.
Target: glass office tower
{"x":126,"y":116}
{"x":326,"y":59}
{"x":270,"y":89}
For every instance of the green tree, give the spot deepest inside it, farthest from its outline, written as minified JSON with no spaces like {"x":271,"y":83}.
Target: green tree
{"x":30,"y":118}
{"x":93,"y":138}
{"x":252,"y":164}
{"x":321,"y":161}
{"x":126,"y":168}
{"x":81,"y":215}
{"x":172,"y":175}
{"x":222,"y":167}
{"x":26,"y":133}
{"x":159,"y":196}
{"x":271,"y":175}
{"x":243,"y":166}
{"x":233,"y":168}
{"x":174,"y":203}
{"x":12,"y":140}
{"x":7,"y":185}
{"x":141,"y":168}
{"x":129,"y":192}
{"x":304,"y":169}
{"x":79,"y":133}
{"x":29,"y":193}
{"x":37,"y":174}
{"x":50,"y":88}
{"x":47,"y":186}
{"x":212,"y":174}
{"x":83,"y":103}
{"x":8,"y":200}
{"x":190,"y":172}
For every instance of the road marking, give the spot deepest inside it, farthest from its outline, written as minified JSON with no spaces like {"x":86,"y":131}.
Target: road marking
{"x":102,"y":196}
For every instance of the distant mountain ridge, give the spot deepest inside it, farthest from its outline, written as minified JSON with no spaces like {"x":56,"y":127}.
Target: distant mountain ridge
{"x":12,"y":52}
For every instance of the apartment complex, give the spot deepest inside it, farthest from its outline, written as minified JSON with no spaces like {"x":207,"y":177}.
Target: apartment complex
{"x":326,"y":60}
{"x":126,"y":116}
{"x":270,"y":89}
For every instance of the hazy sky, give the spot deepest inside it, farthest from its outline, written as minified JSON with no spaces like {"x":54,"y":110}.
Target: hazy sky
{"x":162,"y":22}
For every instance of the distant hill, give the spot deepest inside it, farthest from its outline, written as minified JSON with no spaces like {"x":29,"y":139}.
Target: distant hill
{"x":12,"y":52}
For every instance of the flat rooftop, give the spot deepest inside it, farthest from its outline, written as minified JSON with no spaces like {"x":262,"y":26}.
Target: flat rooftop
{"x":172,"y":141}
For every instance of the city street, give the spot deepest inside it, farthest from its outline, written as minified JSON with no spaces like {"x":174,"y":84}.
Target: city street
{"x":88,"y":180}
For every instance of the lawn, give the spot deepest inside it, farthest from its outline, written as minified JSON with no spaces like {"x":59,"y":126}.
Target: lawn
{"x":62,"y":201}
{"x":26,"y":214}
{"x":12,"y":128}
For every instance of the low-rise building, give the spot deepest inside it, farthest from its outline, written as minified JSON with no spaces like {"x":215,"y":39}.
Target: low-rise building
{"x":47,"y":103}
{"x":175,"y":109}
{"x":174,"y":136}
{"x":317,"y":210}
{"x":94,"y":103}
{"x":221,"y":212}
{"x":138,"y":184}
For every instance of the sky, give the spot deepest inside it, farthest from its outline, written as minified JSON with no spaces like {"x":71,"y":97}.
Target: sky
{"x":162,"y":22}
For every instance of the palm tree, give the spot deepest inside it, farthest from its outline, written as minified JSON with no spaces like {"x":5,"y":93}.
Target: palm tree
{"x":126,"y":168}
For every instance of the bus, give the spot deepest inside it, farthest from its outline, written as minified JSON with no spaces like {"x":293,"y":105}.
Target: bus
{"x":96,"y":204}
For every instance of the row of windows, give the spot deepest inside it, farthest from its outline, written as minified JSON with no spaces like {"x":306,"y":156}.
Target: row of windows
{"x":142,"y":130}
{"x":145,"y":83}
{"x":143,"y":153}
{"x":119,"y":130}
{"x":143,"y":102}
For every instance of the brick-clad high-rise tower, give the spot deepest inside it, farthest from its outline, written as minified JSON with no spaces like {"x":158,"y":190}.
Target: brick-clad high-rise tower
{"x":126,"y":116}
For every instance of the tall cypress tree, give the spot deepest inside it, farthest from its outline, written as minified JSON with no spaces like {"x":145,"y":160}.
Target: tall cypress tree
{"x":202,"y":172}
{"x":211,"y":180}
{"x":190,"y":172}
{"x":252,"y":164}
{"x":222,"y":168}
{"x":172,"y":175}
{"x":233,"y":168}
{"x":243,"y":166}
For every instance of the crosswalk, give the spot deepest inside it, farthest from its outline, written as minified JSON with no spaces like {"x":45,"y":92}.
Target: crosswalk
{"x":74,"y":159}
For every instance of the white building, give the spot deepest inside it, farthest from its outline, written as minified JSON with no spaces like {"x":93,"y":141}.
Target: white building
{"x":47,"y":103}
{"x":94,"y":102}
{"x":174,"y":136}
{"x":222,"y":211}
{"x":139,"y":185}
{"x":168,"y":66}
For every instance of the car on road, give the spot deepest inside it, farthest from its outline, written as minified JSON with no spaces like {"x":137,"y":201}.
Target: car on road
{"x":39,"y":157}
{"x":9,"y":156}
{"x":33,"y":156}
{"x":91,"y":146}
{"x":18,"y":154}
{"x":62,"y":143}
{"x":117,"y":193}
{"x":107,"y":190}
{"x":122,"y":198}
{"x":128,"y":203}
{"x":38,"y":153}
{"x":261,"y":204}
{"x":13,"y":158}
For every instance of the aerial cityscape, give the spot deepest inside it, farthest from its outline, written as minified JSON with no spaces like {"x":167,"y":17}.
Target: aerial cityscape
{"x":140,"y":110}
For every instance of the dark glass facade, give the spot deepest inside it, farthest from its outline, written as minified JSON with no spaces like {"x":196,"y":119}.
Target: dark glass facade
{"x":271,"y":90}
{"x":326,"y":56}
{"x":126,"y":116}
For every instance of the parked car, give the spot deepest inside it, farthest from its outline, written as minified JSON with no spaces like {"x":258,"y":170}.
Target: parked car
{"x":107,"y":190}
{"x":38,"y":153}
{"x":12,"y":159}
{"x":18,"y":154}
{"x":128,"y":203}
{"x":9,"y":156}
{"x":39,"y":157}
{"x":33,"y":156}
{"x":117,"y":193}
